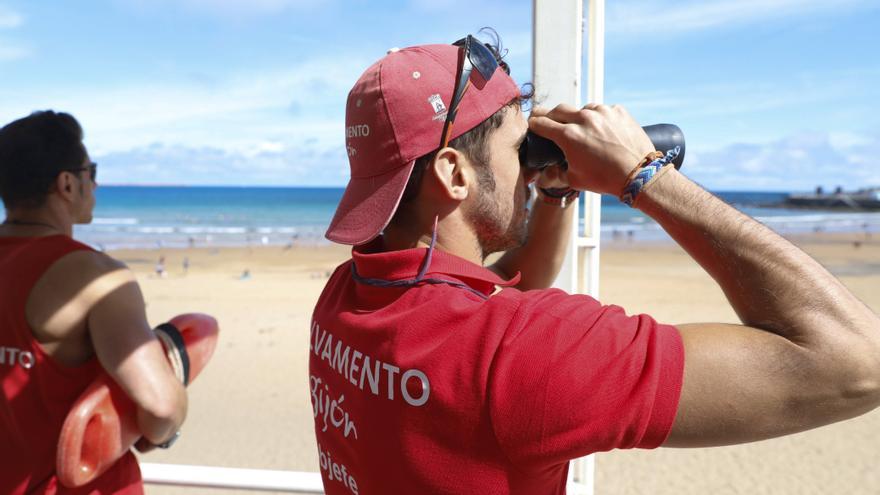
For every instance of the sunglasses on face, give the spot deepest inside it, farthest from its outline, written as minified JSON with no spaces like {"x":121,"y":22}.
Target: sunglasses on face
{"x":476,"y":65}
{"x":92,"y":167}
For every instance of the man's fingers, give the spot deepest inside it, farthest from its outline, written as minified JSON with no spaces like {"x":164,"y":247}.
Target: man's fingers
{"x":546,"y":127}
{"x":565,"y":113}
{"x":568,"y":114}
{"x":537,"y":111}
{"x":560,"y":113}
{"x":608,"y":110}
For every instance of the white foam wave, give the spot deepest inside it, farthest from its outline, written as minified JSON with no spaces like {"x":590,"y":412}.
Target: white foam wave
{"x":115,"y":221}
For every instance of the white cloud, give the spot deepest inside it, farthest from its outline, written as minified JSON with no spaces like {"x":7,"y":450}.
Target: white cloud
{"x":798,"y":162}
{"x":269,"y":128}
{"x":231,"y":9}
{"x":10,"y":52}
{"x":255,"y":7}
{"x":639,"y":18}
{"x":9,"y":19}
{"x":717,"y":97}
{"x":756,"y":110}
{"x":303,"y":164}
{"x":844,"y":140}
{"x":235,"y":114}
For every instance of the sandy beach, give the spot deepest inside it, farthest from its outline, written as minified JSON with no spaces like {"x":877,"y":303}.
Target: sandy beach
{"x":250,"y":407}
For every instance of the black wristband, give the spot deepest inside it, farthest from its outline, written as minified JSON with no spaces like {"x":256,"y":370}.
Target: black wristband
{"x":557,"y":192}
{"x":174,"y":334}
{"x":561,"y":197}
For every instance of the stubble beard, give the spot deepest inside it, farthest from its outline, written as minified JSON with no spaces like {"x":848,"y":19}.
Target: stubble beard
{"x":494,"y":233}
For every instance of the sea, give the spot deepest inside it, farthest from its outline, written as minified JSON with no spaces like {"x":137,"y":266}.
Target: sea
{"x":170,"y":216}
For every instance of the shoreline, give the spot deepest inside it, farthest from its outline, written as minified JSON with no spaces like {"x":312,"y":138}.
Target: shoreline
{"x":639,"y":232}
{"x":172,"y":217}
{"x":621,"y":239}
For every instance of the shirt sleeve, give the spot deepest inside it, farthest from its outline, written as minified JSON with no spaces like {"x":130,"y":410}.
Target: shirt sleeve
{"x":572,"y":377}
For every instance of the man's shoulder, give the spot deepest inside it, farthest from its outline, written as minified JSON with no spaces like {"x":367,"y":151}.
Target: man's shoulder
{"x":544,"y":300}
{"x":88,"y":262}
{"x":82,"y":267}
{"x":547,"y":308}
{"x":59,"y":304}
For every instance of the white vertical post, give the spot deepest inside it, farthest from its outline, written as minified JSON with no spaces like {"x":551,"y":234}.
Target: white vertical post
{"x":595,"y":94}
{"x":557,"y":51}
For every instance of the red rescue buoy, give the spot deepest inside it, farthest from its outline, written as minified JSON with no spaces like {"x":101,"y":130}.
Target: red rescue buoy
{"x":102,"y":424}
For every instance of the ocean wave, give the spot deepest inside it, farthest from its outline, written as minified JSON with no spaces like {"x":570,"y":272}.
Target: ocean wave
{"x":626,"y":227}
{"x":209,"y":229}
{"x":115,"y":221}
{"x":128,"y":233}
{"x":153,"y":241}
{"x":134,"y":228}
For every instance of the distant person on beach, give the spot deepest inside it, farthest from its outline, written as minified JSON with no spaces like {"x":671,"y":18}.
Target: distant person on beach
{"x":433,"y":373}
{"x":160,"y":267}
{"x":67,"y":313}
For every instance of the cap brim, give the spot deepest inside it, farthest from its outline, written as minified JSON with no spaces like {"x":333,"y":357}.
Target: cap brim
{"x":367,"y":206}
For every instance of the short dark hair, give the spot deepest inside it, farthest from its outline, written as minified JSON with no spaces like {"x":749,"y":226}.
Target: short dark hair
{"x":33,"y":151}
{"x":473,"y":143}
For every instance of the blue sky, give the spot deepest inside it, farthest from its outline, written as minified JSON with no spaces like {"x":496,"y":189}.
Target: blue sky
{"x":772,"y":95}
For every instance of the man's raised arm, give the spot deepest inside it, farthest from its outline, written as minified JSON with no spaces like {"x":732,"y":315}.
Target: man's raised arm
{"x":808,"y":352}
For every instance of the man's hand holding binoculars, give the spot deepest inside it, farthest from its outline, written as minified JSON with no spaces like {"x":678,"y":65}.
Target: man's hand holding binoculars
{"x":602,"y":144}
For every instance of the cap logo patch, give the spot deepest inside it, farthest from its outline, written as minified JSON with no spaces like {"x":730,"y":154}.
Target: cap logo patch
{"x":438,"y":106}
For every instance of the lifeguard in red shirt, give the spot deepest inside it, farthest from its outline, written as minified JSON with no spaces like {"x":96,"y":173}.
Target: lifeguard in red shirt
{"x":432,"y":373}
{"x":67,"y":312}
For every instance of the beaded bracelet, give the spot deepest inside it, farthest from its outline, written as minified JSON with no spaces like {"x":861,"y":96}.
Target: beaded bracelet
{"x":636,"y":183}
{"x":558,"y":196}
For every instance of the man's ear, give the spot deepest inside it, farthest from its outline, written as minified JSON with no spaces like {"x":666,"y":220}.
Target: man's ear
{"x":451,"y":172}
{"x":65,"y":185}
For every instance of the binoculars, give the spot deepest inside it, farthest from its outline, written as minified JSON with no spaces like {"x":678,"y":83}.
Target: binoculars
{"x":538,"y":153}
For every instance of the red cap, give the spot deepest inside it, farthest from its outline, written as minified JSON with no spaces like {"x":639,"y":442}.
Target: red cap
{"x":395,"y":114}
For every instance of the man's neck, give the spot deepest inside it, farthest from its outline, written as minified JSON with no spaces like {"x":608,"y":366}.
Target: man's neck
{"x":452,"y":236}
{"x":35,"y":223}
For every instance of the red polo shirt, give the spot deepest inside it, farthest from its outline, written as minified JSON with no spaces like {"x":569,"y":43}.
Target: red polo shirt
{"x":448,"y":385}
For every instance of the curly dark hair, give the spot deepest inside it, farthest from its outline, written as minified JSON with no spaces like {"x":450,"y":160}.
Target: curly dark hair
{"x":33,"y":151}
{"x":473,"y":143}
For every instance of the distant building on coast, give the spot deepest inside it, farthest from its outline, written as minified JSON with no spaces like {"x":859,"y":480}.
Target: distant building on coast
{"x":863,"y":199}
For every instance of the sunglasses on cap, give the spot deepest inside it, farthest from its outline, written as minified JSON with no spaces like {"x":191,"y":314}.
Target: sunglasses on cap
{"x":476,"y":65}
{"x":92,"y":167}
